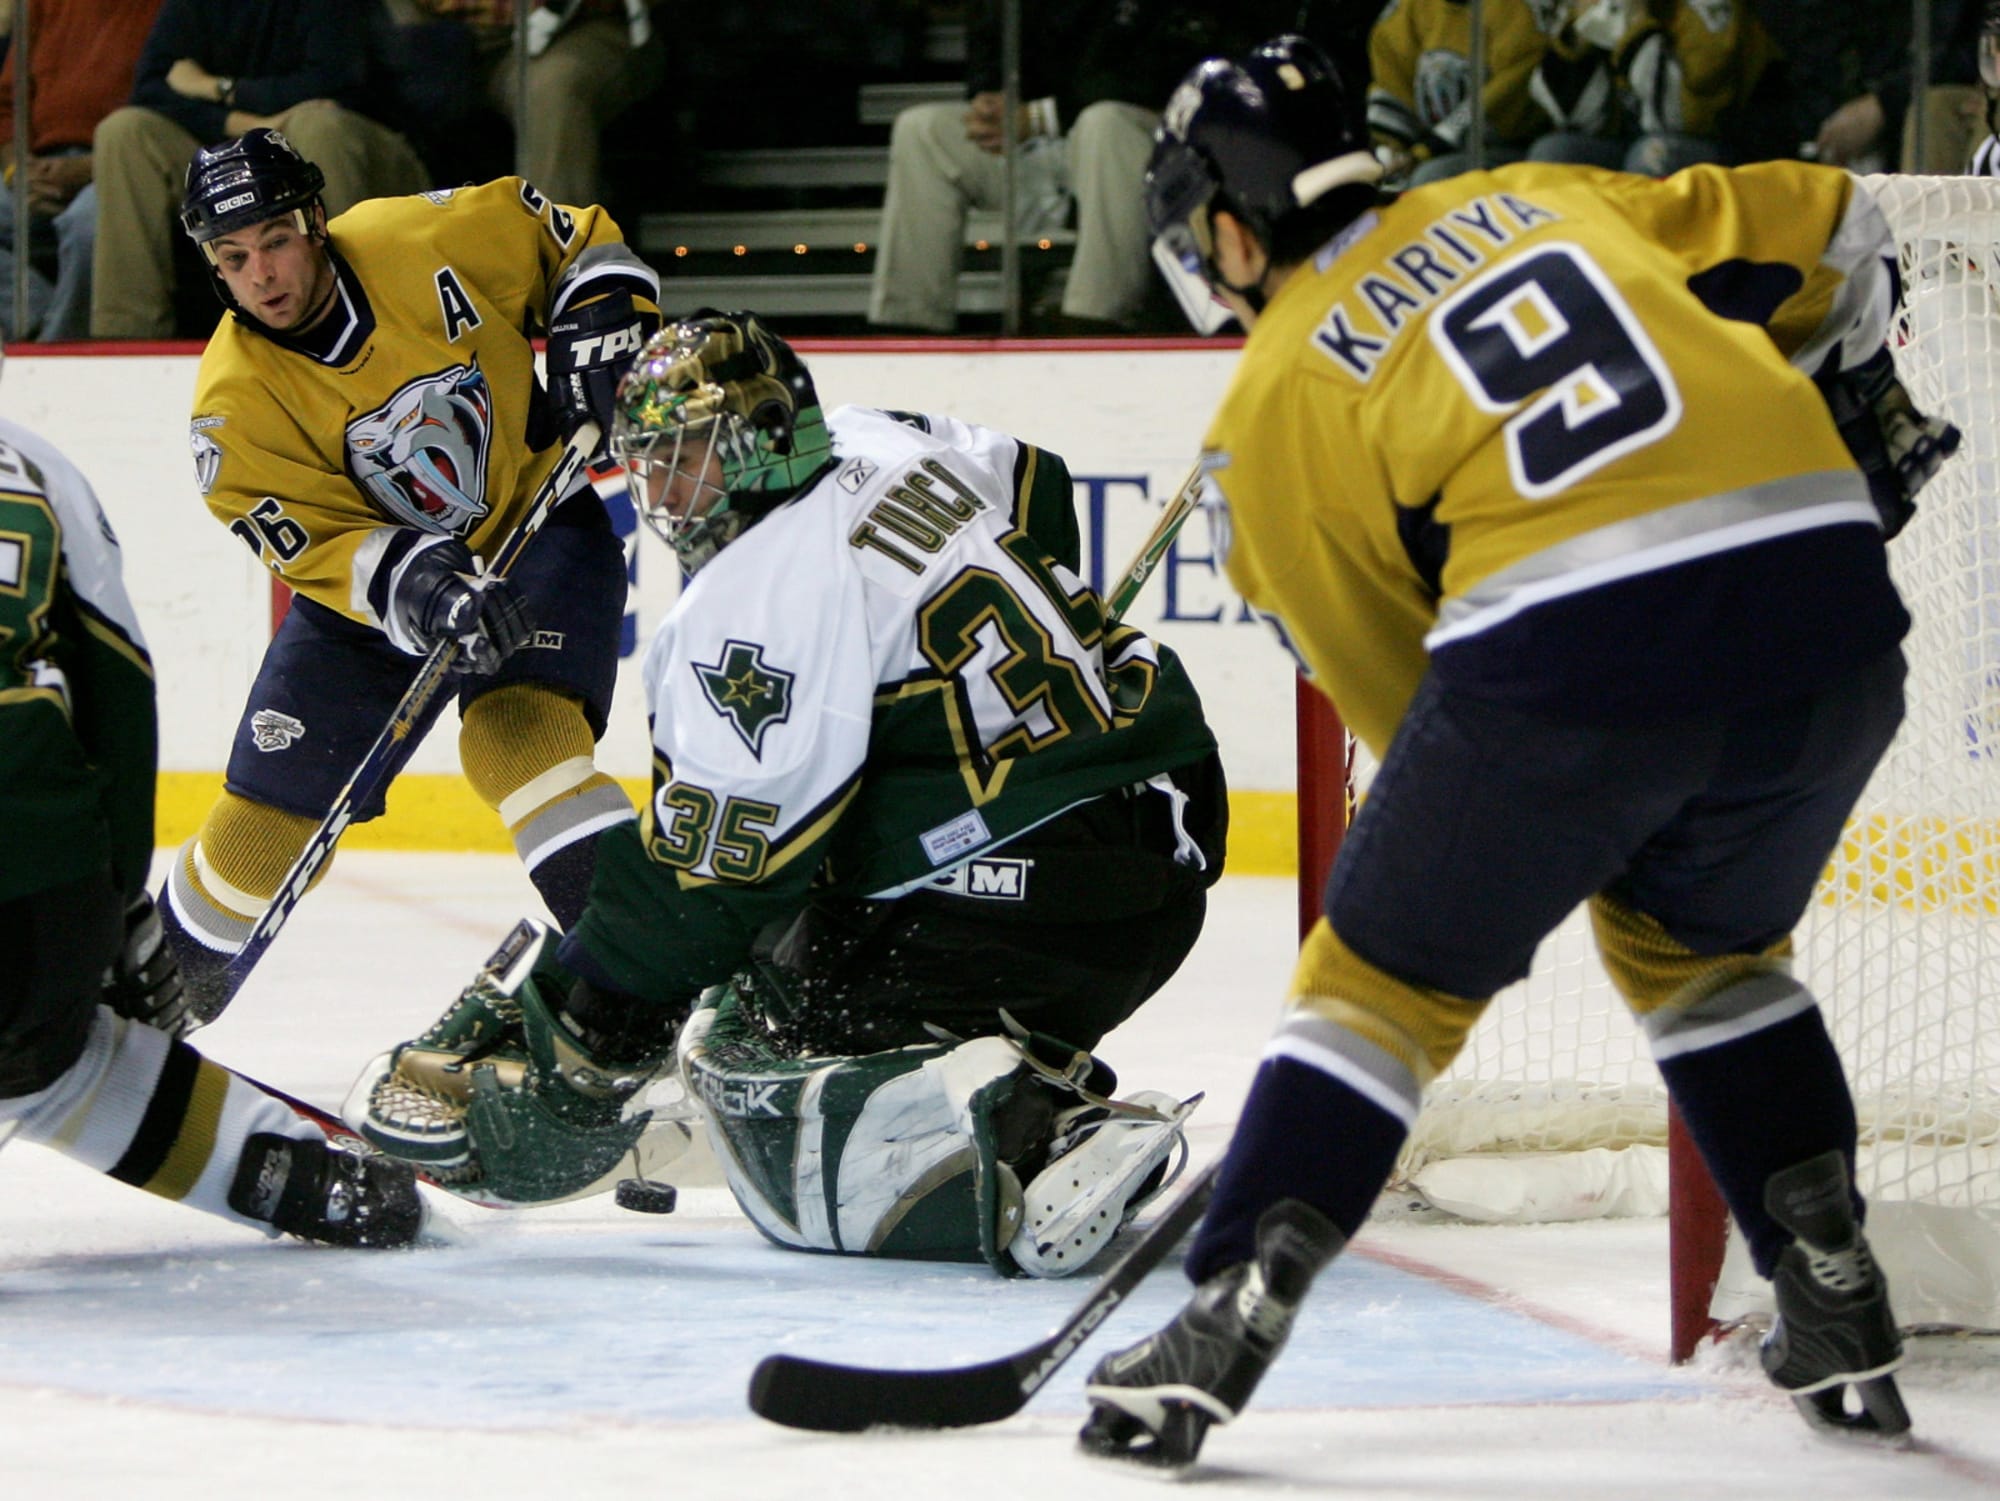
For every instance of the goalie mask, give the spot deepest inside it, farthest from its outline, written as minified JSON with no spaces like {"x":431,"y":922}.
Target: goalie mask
{"x":1268,"y":140}
{"x":718,"y":423}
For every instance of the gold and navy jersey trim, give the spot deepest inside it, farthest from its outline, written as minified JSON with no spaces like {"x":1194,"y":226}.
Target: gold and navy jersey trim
{"x":1657,"y":539}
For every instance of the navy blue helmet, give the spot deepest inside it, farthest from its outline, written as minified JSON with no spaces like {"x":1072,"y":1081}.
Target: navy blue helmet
{"x":1266,"y":139}
{"x":257,"y":176}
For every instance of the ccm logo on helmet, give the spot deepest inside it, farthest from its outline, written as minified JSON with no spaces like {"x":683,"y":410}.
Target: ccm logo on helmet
{"x":237,"y":202}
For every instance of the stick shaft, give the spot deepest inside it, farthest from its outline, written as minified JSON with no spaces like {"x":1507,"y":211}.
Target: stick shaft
{"x":399,"y":737}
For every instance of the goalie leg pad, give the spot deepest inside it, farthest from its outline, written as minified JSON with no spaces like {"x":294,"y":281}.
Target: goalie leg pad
{"x":917,"y":1151}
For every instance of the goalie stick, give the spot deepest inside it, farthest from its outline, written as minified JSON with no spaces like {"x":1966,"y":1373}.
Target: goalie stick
{"x":399,"y":736}
{"x":1185,"y":501}
{"x":830,"y":1398}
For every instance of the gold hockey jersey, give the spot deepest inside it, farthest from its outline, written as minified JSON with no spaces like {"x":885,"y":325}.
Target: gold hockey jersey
{"x":1545,"y":431}
{"x":414,"y":405}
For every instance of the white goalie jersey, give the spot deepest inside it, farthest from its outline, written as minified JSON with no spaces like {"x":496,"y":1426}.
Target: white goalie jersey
{"x":905,"y":612}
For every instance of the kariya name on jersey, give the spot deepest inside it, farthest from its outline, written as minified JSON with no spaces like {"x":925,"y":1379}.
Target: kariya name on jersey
{"x":746,"y":691}
{"x":422,"y":454}
{"x":1410,"y":278}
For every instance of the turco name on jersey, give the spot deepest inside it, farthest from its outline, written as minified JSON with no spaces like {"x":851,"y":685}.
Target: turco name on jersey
{"x":890,"y":675}
{"x":1513,"y":453}
{"x":413,"y":407}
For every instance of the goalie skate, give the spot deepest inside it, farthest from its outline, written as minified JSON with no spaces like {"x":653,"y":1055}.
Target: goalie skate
{"x":1107,"y":1165}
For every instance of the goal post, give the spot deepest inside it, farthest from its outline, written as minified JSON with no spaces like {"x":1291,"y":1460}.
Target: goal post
{"x":1554,"y":1110}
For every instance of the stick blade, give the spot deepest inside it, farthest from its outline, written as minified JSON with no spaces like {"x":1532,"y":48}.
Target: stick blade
{"x":828,"y":1398}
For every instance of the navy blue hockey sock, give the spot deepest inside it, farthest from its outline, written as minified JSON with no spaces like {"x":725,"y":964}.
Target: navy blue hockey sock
{"x":1758,"y":1104}
{"x":563,"y":879}
{"x":1304,"y":1135}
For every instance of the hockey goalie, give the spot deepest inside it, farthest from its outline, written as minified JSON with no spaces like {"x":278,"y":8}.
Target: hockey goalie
{"x":925,"y":825}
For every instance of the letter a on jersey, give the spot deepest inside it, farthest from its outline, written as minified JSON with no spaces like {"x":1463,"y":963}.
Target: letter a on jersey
{"x":747,"y":692}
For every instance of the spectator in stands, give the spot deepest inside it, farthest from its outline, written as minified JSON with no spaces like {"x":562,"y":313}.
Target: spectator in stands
{"x":212,"y":69}
{"x":1649,"y":86}
{"x":1849,"y":68}
{"x":1093,"y":74}
{"x":80,"y":70}
{"x":1420,"y":98}
{"x":588,"y":62}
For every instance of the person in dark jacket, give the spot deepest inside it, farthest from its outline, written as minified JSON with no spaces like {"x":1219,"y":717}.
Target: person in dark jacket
{"x":213,"y":69}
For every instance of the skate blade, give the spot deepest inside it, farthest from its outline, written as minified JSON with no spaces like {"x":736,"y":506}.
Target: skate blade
{"x":1882,"y":1417}
{"x":1112,"y":1433}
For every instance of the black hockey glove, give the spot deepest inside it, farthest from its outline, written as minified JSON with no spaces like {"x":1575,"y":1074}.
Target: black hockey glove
{"x":1897,"y":447}
{"x":144,"y":981}
{"x":589,"y":348}
{"x":440,"y":596}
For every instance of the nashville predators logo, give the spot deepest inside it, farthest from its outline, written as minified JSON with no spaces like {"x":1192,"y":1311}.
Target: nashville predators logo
{"x":745,"y":691}
{"x":422,"y":453}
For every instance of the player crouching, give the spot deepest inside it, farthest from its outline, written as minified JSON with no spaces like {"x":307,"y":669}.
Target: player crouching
{"x":919,"y":811}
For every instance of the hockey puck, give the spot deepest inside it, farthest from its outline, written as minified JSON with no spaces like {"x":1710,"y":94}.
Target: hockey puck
{"x":646,"y":1196}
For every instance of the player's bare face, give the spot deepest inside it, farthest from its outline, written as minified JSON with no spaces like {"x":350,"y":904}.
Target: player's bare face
{"x":278,"y":275}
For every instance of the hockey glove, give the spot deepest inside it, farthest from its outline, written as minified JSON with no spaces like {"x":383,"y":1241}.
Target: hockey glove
{"x":1896,"y":446}
{"x":589,"y":348}
{"x":439,"y":595}
{"x":144,"y":981}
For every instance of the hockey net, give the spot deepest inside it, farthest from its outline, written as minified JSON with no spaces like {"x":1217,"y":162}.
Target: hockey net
{"x":1555,"y":1110}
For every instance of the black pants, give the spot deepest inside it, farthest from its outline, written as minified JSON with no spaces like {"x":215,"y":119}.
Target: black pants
{"x":1102,"y":918}
{"x":1486,"y":825}
{"x":60,"y":942}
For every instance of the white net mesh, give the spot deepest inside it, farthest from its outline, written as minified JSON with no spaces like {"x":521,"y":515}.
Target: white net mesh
{"x":1903,"y":944}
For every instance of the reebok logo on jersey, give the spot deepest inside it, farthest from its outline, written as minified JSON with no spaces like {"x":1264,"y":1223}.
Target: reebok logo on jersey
{"x":272,"y":731}
{"x":854,"y":474}
{"x":747,"y":692}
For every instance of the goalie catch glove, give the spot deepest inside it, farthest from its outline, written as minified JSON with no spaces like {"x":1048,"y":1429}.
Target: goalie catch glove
{"x":439,"y":595}
{"x":144,"y":981}
{"x":1896,"y":446}
{"x":589,"y":349}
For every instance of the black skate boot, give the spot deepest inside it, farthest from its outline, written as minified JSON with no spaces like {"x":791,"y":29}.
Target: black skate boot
{"x":320,"y":1192}
{"x":1834,"y":1328}
{"x":1155,"y":1401}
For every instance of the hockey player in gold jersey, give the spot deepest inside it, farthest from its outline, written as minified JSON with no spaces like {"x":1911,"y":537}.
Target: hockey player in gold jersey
{"x":1570,"y":488}
{"x":370,"y":425}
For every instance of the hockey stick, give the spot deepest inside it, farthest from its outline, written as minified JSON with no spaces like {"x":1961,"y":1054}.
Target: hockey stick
{"x":1183,"y":505}
{"x":830,"y":1398}
{"x":398,"y":738}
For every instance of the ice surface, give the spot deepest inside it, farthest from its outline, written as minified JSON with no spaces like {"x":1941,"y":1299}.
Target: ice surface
{"x":146,"y":1351}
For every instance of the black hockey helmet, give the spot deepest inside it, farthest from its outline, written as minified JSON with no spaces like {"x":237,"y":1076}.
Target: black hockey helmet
{"x":257,"y":176}
{"x":1268,"y":139}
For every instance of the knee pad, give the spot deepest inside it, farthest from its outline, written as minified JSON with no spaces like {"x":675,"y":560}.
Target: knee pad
{"x":1419,"y":1028}
{"x":528,"y":752}
{"x":1653,"y":971}
{"x":224,"y":877}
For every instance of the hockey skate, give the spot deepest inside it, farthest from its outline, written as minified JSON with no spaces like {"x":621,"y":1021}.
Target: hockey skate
{"x":1154,"y":1402}
{"x":1834,"y":1327}
{"x":328,"y":1194}
{"x":1106,"y":1163}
